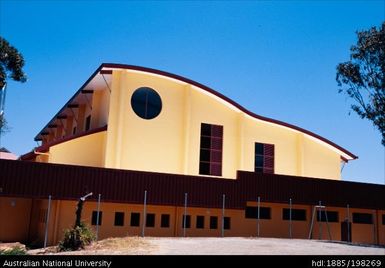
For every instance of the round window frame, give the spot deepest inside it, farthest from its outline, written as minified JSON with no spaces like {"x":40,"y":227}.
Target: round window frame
{"x":151,"y":95}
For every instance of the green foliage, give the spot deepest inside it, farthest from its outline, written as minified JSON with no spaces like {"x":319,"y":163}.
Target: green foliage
{"x":363,"y":77}
{"x":11,"y":63}
{"x":11,"y":66}
{"x":76,"y":238}
{"x":4,"y":128}
{"x":14,"y":251}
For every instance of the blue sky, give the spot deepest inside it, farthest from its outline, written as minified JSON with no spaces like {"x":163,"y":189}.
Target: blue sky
{"x":276,"y":58}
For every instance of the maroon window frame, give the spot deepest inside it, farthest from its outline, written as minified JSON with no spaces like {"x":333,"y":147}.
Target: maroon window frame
{"x":264,"y":158}
{"x":210,"y":159}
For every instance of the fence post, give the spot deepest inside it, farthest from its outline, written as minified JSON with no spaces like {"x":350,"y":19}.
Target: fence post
{"x":258,"y":213}
{"x":290,"y":226}
{"x":348,"y":216}
{"x":97,"y":218}
{"x":185,"y":215}
{"x":144,"y":212}
{"x":47,"y":221}
{"x":223,"y":215}
{"x":320,"y":221}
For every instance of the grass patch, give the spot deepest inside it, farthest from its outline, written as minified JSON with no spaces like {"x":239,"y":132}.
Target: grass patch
{"x":13,"y":251}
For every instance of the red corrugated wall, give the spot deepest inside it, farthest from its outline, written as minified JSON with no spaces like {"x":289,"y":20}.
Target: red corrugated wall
{"x":38,"y":180}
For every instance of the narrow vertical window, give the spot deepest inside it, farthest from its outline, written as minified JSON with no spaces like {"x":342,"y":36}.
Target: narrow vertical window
{"x":95,"y":220}
{"x":165,"y":220}
{"x":186,"y":220}
{"x":88,"y":123}
{"x":213,"y":222}
{"x":135,"y":219}
{"x":119,"y":219}
{"x":150,"y":220}
{"x":226,"y":223}
{"x":200,"y":223}
{"x":210,"y":160}
{"x":264,"y":158}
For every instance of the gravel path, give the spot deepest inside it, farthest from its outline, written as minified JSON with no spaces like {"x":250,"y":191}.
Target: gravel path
{"x":216,"y":246}
{"x":255,"y":246}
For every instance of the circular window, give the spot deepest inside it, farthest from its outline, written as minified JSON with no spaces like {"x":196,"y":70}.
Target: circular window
{"x":146,"y":103}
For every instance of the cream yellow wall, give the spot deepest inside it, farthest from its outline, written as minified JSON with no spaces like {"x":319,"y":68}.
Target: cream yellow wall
{"x":100,"y":106}
{"x":138,"y":144}
{"x":319,"y":161}
{"x":171,"y":142}
{"x":87,"y":151}
{"x":205,"y":109}
{"x":285,"y":145}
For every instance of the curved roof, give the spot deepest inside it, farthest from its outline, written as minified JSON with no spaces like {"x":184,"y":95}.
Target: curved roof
{"x":345,"y":154}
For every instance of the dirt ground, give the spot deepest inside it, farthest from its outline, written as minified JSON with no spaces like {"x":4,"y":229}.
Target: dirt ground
{"x":217,"y":246}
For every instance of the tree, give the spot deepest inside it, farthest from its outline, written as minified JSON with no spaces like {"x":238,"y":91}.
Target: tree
{"x":3,"y":125}
{"x":11,"y":66}
{"x":363,"y":77}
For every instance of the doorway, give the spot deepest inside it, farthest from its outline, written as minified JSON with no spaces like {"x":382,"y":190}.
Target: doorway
{"x":346,"y":231}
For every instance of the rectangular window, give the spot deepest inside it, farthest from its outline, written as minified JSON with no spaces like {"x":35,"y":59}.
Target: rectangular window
{"x":227,"y":223}
{"x":210,"y":159}
{"x":135,"y":219}
{"x":200,"y":223}
{"x":165,"y":221}
{"x":264,"y":158}
{"x":331,"y":215}
{"x":95,"y":216}
{"x":88,"y":123}
{"x":74,"y":131}
{"x":252,"y":213}
{"x":186,"y":219}
{"x":150,"y":220}
{"x":119,"y":219}
{"x":364,"y":218}
{"x":296,"y":214}
{"x":383,"y":219}
{"x":213,"y":222}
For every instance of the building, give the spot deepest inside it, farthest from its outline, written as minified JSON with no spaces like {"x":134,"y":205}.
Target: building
{"x":194,"y":152}
{"x":5,"y":154}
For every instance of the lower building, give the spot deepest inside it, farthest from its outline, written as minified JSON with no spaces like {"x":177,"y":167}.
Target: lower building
{"x":38,"y":201}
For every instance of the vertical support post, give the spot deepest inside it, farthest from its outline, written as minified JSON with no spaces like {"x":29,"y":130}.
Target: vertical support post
{"x":144,"y":212}
{"x":312,"y":222}
{"x":290,"y":226}
{"x":258,"y":214}
{"x":374,"y":228}
{"x":327,"y":224}
{"x":47,"y":221}
{"x":348,"y":217}
{"x":320,"y":221}
{"x":185,"y":215}
{"x":97,"y":217}
{"x":223,"y":215}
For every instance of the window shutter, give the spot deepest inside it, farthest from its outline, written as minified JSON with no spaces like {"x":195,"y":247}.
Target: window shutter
{"x":211,"y":150}
{"x":268,"y":158}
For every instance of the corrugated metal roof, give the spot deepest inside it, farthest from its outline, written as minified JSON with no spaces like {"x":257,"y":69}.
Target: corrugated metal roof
{"x":38,"y":180}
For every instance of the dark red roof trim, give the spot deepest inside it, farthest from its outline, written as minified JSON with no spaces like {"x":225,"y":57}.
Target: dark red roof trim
{"x":45,"y":147}
{"x":189,"y":81}
{"x":106,"y":72}
{"x":68,"y":182}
